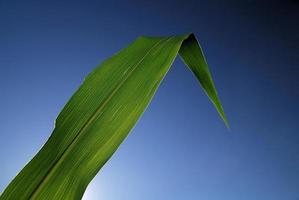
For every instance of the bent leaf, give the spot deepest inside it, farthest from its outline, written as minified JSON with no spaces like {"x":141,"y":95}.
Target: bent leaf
{"x":101,"y":113}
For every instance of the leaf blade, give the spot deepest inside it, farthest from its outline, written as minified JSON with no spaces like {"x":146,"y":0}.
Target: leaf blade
{"x":96,"y":120}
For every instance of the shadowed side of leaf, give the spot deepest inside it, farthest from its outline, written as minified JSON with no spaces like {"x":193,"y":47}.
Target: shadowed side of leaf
{"x":191,"y":53}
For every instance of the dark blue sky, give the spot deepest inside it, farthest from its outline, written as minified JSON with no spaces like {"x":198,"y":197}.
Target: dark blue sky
{"x":180,"y":148}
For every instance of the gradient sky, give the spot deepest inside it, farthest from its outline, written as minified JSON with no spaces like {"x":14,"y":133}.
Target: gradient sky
{"x":180,"y":149}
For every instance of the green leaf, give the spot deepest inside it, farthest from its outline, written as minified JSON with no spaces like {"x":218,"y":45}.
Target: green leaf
{"x":101,"y":113}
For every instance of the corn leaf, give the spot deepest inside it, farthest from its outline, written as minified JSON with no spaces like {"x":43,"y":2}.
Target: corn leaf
{"x":101,"y":113}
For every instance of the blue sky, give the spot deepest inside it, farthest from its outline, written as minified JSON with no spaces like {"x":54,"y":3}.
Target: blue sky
{"x":180,"y":149}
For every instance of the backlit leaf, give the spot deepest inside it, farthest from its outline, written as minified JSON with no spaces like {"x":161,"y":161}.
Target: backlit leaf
{"x":101,"y":113}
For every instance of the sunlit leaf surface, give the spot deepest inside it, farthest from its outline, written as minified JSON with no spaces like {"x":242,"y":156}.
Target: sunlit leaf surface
{"x":101,"y":113}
